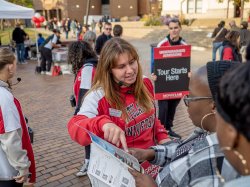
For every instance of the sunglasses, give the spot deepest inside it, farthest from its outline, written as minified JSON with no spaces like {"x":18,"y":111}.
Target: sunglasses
{"x":108,"y":29}
{"x":187,"y":99}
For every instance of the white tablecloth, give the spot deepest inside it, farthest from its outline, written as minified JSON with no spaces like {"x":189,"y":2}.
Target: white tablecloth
{"x":60,"y":54}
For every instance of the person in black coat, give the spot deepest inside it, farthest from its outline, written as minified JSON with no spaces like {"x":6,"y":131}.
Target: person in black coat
{"x":105,"y":36}
{"x":19,"y":36}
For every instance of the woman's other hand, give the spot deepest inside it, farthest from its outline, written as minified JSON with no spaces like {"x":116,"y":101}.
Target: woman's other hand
{"x":153,"y":77}
{"x":142,"y":154}
{"x":142,"y":180}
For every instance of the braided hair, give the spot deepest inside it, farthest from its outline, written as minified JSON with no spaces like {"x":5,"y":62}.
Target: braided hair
{"x":233,"y":99}
{"x":78,"y":53}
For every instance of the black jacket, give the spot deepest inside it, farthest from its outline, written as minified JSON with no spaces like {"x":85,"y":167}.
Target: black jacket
{"x":18,"y":35}
{"x":100,"y":42}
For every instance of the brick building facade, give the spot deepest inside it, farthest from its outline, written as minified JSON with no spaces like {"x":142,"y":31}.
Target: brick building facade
{"x":76,"y":9}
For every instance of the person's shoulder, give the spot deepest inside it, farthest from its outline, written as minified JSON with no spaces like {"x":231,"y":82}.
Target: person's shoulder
{"x":183,"y":42}
{"x":100,"y":37}
{"x":146,"y":79}
{"x":148,"y":83}
{"x":6,"y":96}
{"x":95,"y":95}
{"x":164,"y":42}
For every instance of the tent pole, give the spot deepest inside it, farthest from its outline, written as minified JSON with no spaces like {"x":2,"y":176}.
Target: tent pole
{"x":37,"y":50}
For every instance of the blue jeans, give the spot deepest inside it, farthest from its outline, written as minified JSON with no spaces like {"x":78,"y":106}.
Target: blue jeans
{"x":216,"y":46}
{"x":20,"y":52}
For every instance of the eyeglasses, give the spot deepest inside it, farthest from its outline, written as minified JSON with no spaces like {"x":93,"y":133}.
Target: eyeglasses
{"x":108,"y":29}
{"x":187,"y":99}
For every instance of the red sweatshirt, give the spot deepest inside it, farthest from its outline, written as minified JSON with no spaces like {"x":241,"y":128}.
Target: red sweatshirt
{"x":96,"y":111}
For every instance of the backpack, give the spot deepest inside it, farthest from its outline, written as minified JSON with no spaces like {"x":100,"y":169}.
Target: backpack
{"x":56,"y":71}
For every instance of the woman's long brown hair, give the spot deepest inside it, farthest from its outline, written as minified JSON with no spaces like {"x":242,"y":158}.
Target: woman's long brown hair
{"x":104,"y":78}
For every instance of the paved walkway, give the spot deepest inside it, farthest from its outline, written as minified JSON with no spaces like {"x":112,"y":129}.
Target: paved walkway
{"x":45,"y":101}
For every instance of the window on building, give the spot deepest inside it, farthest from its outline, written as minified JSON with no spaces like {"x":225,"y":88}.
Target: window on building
{"x":105,"y":2}
{"x":191,"y":6}
{"x":194,"y":6}
{"x":198,"y":7}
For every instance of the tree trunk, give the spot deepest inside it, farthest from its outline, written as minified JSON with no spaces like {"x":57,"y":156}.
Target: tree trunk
{"x":227,"y":7}
{"x":87,"y":12}
{"x":2,"y":25}
{"x":241,"y":10}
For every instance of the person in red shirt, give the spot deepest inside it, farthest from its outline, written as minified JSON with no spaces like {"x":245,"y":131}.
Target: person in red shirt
{"x":84,"y":61}
{"x":231,"y":47}
{"x":167,"y":108}
{"x":120,"y":105}
{"x":17,"y":164}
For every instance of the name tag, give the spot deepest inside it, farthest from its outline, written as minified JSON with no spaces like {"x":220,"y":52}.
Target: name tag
{"x":114,"y":112}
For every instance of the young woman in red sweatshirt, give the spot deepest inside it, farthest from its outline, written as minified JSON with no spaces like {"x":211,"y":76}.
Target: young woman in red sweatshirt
{"x":120,"y":106}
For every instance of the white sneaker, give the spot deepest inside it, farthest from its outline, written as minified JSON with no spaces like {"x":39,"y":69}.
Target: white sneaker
{"x":43,"y":72}
{"x":48,"y":73}
{"x":84,"y":169}
{"x":24,"y":62}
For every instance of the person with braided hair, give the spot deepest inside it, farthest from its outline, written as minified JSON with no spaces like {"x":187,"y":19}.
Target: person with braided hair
{"x":84,"y":61}
{"x":233,"y":121}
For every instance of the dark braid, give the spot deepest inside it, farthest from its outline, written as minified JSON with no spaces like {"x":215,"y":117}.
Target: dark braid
{"x":78,"y":53}
{"x":234,"y":99}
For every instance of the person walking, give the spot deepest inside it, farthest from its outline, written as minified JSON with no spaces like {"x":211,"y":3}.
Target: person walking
{"x":230,"y":47}
{"x":103,"y":38}
{"x":100,"y":25}
{"x":244,"y":39}
{"x":167,"y":108}
{"x":17,"y":164}
{"x":19,"y":36}
{"x":218,"y":36}
{"x":233,"y":26}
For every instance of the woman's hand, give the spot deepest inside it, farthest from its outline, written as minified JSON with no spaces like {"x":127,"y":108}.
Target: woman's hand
{"x":20,"y":179}
{"x":164,"y":141}
{"x":153,"y":77}
{"x":142,"y":180}
{"x":142,"y":154}
{"x":115,"y":135}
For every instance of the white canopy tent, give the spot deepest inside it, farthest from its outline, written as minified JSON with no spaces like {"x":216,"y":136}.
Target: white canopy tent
{"x":12,"y":11}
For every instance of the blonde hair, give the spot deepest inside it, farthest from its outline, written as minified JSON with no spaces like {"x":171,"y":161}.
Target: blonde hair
{"x":6,"y":57}
{"x":104,"y":78}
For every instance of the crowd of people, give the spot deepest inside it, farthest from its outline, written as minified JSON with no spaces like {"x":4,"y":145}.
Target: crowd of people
{"x":231,"y":43}
{"x":116,"y":102}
